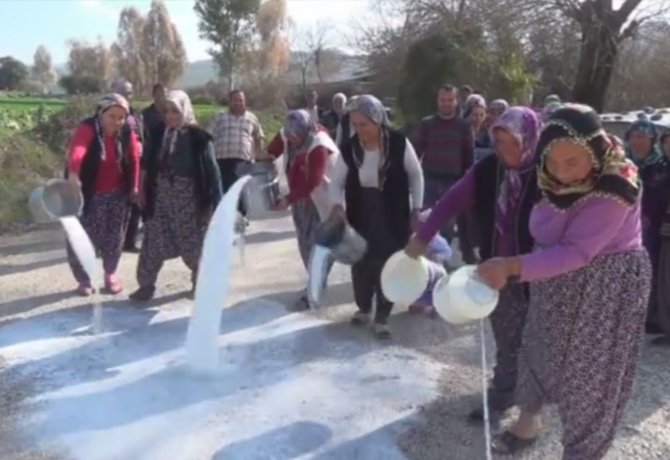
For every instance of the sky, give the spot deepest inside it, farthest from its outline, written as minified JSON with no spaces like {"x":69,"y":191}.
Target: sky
{"x":26,"y":24}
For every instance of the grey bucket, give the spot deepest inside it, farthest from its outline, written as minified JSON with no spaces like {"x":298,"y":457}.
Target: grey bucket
{"x":58,"y":198}
{"x":263,"y":190}
{"x":345,"y":244}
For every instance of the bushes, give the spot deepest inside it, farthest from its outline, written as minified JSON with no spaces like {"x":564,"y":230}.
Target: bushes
{"x":25,"y":164}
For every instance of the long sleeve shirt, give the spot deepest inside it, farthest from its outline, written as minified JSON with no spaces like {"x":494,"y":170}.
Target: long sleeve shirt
{"x":368,"y":175}
{"x":109,"y":176}
{"x":445,"y":146}
{"x":569,"y":240}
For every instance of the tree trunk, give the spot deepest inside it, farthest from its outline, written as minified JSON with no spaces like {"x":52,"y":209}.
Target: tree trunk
{"x":598,"y":55}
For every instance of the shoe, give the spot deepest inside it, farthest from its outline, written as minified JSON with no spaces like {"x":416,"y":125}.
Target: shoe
{"x":507,"y":443}
{"x":85,"y":289}
{"x":143,"y":294}
{"x":382,"y":331}
{"x":360,"y":319}
{"x":302,"y":304}
{"x":112,"y":284}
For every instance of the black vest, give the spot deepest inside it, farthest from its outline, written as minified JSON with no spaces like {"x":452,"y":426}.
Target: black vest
{"x":151,"y":160}
{"x":345,"y":127}
{"x":489,"y":174}
{"x":395,"y":191}
{"x":90,"y":165}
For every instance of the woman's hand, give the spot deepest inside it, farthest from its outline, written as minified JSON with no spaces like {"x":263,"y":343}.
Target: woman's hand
{"x":282,"y":204}
{"x":415,"y":248}
{"x":497,"y":271}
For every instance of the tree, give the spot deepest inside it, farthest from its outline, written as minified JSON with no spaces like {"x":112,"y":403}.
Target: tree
{"x":129,"y":50}
{"x":88,"y":64}
{"x":13,"y":73}
{"x":603,"y":30}
{"x":43,"y":71}
{"x":229,"y":26}
{"x":164,"y":54}
{"x":311,"y":54}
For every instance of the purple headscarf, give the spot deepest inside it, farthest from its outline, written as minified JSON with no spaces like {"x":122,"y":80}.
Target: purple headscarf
{"x":524,"y":124}
{"x":300,"y":123}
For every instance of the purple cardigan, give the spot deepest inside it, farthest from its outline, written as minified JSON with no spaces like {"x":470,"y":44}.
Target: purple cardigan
{"x":569,"y":240}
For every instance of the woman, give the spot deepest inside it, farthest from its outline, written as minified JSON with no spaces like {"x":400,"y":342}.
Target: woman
{"x":104,"y":158}
{"x":495,"y":110}
{"x":475,"y":112}
{"x":589,"y":283}
{"x":378,"y":172}
{"x":654,"y":170}
{"x":309,"y":155}
{"x":501,"y":190}
{"x":181,"y":187}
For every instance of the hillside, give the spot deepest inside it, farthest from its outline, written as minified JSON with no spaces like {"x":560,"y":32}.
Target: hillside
{"x":201,"y":72}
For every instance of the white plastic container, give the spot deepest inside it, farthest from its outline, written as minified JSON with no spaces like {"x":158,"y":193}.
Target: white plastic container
{"x":463,"y":297}
{"x":404,"y":279}
{"x":58,"y":198}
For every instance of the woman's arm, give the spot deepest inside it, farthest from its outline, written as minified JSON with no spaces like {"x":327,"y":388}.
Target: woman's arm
{"x":338,"y":179}
{"x":415,"y":175}
{"x":591,"y":230}
{"x":81,"y":139}
{"x":456,"y":200}
{"x":135,"y":152}
{"x":315,"y":164}
{"x":213,"y":175}
{"x":338,"y":134}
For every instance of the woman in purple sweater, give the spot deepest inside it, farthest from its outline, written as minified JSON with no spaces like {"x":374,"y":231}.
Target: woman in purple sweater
{"x":590,"y":279}
{"x":501,"y":190}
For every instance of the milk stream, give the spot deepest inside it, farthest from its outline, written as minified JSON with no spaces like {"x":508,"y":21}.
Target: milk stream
{"x":212,"y":284}
{"x":485,"y":392}
{"x":83,"y":248}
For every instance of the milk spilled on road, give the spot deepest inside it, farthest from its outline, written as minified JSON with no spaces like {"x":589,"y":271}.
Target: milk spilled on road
{"x":83,"y":248}
{"x":211,"y":288}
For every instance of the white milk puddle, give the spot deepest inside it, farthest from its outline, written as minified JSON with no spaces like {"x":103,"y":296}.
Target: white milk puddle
{"x":85,"y":252}
{"x":212,"y":285}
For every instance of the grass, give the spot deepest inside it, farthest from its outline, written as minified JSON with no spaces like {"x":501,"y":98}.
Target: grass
{"x":27,"y":160}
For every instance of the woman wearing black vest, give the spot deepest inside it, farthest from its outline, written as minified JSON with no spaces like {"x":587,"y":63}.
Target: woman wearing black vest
{"x":501,"y":189}
{"x":104,"y":158}
{"x":379,"y":172}
{"x":181,"y":187}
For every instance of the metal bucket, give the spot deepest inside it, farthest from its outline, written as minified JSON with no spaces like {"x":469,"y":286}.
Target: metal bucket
{"x":58,"y":198}
{"x":345,"y":244}
{"x":263,"y":191}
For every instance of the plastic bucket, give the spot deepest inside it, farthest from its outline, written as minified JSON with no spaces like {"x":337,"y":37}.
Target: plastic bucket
{"x":58,"y":198}
{"x":345,"y":244}
{"x":464,"y":297}
{"x":263,"y":190}
{"x":404,"y":279}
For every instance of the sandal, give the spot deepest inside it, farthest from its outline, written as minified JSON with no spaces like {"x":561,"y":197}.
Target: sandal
{"x":382,"y":331}
{"x":507,"y":443}
{"x":360,"y":319}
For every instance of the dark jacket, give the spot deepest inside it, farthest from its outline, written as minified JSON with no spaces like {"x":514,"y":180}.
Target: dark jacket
{"x":207,"y":178}
{"x":90,"y":165}
{"x":330,"y":120}
{"x":489,"y":173}
{"x":395,"y":190}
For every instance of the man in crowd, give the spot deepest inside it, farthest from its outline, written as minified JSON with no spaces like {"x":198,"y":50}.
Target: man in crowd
{"x":152,"y":116}
{"x":135,"y":121}
{"x":238,"y":140}
{"x":312,"y":106}
{"x":445,"y":144}
{"x":333,"y":117}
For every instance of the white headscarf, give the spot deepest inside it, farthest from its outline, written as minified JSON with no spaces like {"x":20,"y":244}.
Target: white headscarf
{"x":182,"y":103}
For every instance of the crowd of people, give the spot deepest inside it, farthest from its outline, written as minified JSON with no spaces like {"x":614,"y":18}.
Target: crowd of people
{"x":568,"y":222}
